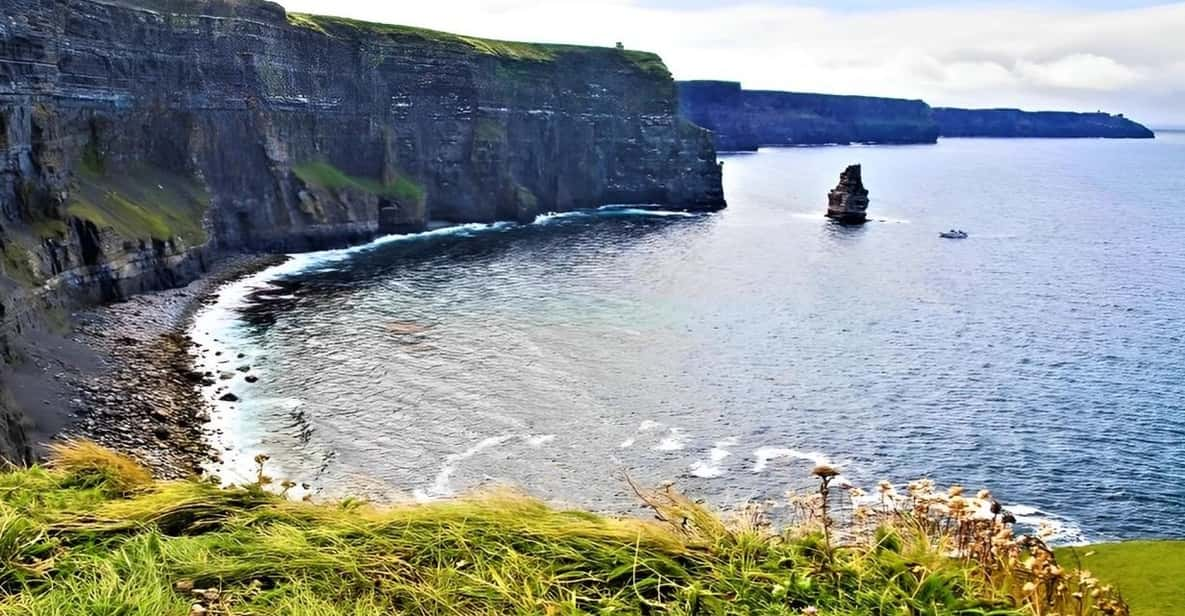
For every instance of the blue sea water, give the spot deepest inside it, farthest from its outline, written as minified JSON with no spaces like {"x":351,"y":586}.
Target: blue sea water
{"x":1043,"y":357}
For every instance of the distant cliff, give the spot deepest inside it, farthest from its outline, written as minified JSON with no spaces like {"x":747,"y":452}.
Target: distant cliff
{"x":141,"y":138}
{"x":1016,"y":123}
{"x":747,"y":119}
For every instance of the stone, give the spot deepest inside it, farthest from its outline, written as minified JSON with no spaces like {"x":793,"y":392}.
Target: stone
{"x":848,"y":202}
{"x":229,"y":397}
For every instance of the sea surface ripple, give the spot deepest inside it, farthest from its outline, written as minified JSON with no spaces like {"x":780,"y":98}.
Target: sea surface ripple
{"x":1043,"y":357}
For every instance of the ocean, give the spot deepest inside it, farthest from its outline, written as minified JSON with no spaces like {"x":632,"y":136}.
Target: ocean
{"x":1043,"y":357}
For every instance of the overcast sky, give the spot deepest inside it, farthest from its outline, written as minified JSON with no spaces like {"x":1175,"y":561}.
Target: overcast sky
{"x":1122,"y":56}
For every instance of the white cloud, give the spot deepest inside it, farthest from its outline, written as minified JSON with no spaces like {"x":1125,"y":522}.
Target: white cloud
{"x":1083,"y":71}
{"x":1122,"y":60}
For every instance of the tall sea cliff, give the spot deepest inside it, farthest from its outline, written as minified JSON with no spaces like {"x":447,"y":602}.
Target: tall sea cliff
{"x":1010,"y":123}
{"x":748,"y":119}
{"x":141,"y":139}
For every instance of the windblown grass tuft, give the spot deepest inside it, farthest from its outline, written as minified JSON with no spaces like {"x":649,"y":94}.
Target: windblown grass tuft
{"x":91,"y":535}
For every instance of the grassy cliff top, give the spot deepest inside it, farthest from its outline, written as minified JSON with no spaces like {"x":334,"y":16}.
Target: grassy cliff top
{"x":94,"y":534}
{"x":1149,"y":572}
{"x":511,"y":50}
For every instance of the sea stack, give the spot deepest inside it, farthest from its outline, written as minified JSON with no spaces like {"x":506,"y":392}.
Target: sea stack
{"x":848,"y":202}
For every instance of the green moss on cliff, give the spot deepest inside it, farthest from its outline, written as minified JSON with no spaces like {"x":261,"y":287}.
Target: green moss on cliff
{"x":141,"y":202}
{"x":490,"y":130}
{"x":324,"y":175}
{"x":47,"y":228}
{"x":92,"y":159}
{"x":513,"y":50}
{"x":16,"y":262}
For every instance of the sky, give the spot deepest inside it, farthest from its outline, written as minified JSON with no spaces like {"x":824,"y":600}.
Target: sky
{"x":1120,"y":56}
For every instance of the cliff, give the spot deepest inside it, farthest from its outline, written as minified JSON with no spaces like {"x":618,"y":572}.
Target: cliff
{"x":747,"y":119}
{"x":141,"y":139}
{"x":1016,"y":123}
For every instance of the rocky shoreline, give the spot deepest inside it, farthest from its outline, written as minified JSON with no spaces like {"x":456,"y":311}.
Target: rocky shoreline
{"x":146,"y":401}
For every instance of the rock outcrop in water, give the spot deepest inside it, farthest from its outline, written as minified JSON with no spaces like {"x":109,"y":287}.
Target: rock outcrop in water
{"x":139,"y":139}
{"x":848,"y":202}
{"x":1046,"y":124}
{"x":748,"y":119}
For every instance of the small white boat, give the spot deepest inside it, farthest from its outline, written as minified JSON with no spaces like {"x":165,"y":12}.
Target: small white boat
{"x":954,"y":234}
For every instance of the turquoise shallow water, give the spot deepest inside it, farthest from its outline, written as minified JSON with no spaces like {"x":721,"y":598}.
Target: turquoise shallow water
{"x":1043,"y":357}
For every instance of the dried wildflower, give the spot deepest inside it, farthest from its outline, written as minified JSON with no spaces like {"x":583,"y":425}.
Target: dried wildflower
{"x":825,"y":471}
{"x":955,"y":491}
{"x":984,"y":495}
{"x":1029,"y":588}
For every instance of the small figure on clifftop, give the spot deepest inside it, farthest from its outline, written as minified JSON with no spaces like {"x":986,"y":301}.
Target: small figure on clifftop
{"x":847,"y":203}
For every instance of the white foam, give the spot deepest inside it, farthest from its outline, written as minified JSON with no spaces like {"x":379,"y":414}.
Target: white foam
{"x":613,"y":210}
{"x":765,"y":455}
{"x":440,"y":486}
{"x":706,"y":470}
{"x":711,"y":468}
{"x":627,"y":443}
{"x":648,"y":425}
{"x":1060,"y":530}
{"x":540,"y":440}
{"x":720,"y":449}
{"x":673,"y":441}
{"x":630,"y":211}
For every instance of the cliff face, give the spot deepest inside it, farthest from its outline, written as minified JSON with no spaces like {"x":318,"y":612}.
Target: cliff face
{"x":747,"y":119}
{"x":137,"y":133}
{"x":140,"y":138}
{"x":1016,"y":123}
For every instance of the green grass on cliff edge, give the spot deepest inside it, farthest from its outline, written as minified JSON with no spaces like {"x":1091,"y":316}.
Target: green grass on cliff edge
{"x":512,"y":50}
{"x":324,"y":175}
{"x":93,"y":534}
{"x":1151,"y":573}
{"x":140,"y":202}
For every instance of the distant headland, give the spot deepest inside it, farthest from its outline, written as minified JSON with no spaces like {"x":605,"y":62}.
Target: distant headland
{"x":747,"y":119}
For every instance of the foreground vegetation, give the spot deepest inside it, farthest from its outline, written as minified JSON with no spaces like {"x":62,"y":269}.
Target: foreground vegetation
{"x":94,"y":534}
{"x":1151,"y":573}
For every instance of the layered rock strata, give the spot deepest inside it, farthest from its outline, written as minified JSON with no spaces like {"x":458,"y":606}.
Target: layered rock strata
{"x":749,"y":119}
{"x":142,"y":139}
{"x":847,"y":203}
{"x":1013,"y":123}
